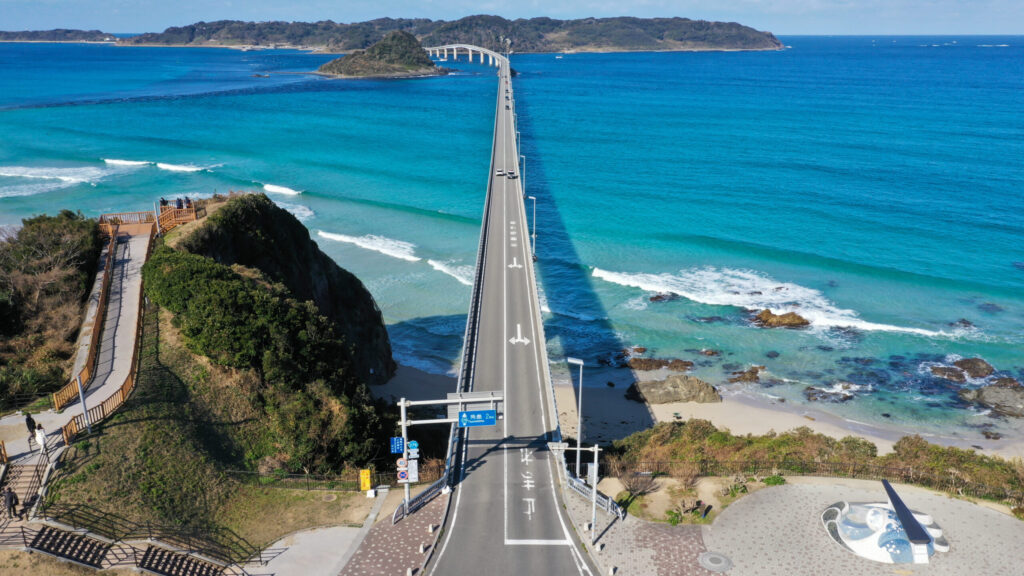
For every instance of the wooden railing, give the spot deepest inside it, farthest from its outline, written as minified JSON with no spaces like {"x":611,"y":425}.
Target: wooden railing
{"x":108,"y":406}
{"x":3,"y":453}
{"x":108,"y":221}
{"x":69,"y":392}
{"x":171,"y":217}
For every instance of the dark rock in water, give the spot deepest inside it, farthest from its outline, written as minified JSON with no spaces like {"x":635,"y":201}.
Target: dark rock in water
{"x":748,"y":375}
{"x":754,"y":293}
{"x":611,"y":384}
{"x":771,"y":382}
{"x":990,"y":307}
{"x":962,"y":323}
{"x":1002,"y":400}
{"x":1018,"y":265}
{"x":674,"y":364}
{"x":818,"y":395}
{"x":949,"y":373}
{"x":886,"y":415}
{"x":975,"y":367}
{"x":710,"y":352}
{"x":864,"y":361}
{"x":826,"y":348}
{"x":676,"y":388}
{"x":768,"y":319}
{"x":976,"y":447}
{"x":833,"y":284}
{"x":771,"y":354}
{"x":990,"y":435}
{"x":729,"y":367}
{"x":664,"y":297}
{"x":1006,"y":382}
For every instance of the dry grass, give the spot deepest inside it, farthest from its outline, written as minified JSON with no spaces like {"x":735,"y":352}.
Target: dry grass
{"x":18,"y":563}
{"x":265,"y":515}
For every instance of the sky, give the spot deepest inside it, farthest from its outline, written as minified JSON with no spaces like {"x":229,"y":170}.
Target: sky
{"x":779,"y":16}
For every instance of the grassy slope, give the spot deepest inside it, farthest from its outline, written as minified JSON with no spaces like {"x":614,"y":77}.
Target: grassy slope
{"x":159,"y":458}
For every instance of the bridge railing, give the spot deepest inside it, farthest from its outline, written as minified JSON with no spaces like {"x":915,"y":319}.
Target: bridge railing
{"x":69,"y":393}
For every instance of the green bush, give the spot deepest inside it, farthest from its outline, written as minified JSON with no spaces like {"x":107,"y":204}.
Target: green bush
{"x":774,"y":480}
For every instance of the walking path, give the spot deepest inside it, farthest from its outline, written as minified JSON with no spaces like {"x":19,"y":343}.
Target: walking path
{"x":113,"y":363}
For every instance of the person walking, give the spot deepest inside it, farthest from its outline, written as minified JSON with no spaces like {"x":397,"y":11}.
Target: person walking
{"x":41,"y":440}
{"x":11,"y":503}
{"x":30,"y":423}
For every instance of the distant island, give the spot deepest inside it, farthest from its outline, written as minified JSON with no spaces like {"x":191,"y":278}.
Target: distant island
{"x":622,"y":34}
{"x":398,"y":55}
{"x":57,"y":35}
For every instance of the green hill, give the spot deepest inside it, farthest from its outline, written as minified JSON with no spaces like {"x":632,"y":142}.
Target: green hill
{"x":525,"y":35}
{"x":397,"y":54}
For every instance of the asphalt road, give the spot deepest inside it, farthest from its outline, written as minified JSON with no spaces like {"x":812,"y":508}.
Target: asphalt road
{"x":507,"y":516}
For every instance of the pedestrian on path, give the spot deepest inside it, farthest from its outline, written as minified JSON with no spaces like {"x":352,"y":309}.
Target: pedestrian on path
{"x":11,"y":503}
{"x":30,"y":423}
{"x":41,"y":440}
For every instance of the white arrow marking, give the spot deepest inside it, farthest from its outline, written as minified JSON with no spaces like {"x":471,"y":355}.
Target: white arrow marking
{"x":519,"y":336}
{"x":515,"y":264}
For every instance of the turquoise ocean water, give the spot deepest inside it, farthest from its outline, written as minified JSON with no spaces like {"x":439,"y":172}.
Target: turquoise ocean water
{"x":874,"y":185}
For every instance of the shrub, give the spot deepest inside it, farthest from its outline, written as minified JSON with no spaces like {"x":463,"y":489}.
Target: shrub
{"x":774,"y":480}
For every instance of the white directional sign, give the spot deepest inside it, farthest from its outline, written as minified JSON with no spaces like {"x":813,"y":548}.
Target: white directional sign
{"x":414,"y":470}
{"x":519,"y":336}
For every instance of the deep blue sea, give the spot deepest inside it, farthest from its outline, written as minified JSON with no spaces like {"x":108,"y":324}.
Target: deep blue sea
{"x":874,"y":185}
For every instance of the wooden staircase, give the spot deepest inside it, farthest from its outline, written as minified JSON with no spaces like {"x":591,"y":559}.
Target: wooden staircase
{"x":168,"y":563}
{"x":25,"y":480}
{"x":71,"y":546}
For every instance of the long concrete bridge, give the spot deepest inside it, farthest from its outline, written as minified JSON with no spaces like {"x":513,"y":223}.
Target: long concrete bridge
{"x":506,"y":514}
{"x":493,"y":58}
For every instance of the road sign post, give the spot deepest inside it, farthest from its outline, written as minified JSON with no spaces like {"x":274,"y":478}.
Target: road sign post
{"x":364,"y":480}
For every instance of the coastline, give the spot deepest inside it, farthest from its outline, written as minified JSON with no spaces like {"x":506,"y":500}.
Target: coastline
{"x":609,"y":416}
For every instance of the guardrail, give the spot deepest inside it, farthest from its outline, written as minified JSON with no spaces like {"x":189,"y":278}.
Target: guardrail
{"x":171,"y":217}
{"x":112,"y":403}
{"x":109,"y":222}
{"x":603,"y":502}
{"x":67,"y":394}
{"x":3,"y":455}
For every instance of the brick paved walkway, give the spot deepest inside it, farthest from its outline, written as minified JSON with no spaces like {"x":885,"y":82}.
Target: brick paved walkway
{"x":390,"y":550}
{"x":636,"y":547}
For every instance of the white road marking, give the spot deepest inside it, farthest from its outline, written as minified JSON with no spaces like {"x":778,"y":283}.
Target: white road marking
{"x":515,"y":263}
{"x":519,"y":338}
{"x":538,"y":542}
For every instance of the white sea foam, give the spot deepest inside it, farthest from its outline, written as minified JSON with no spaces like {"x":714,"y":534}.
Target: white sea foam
{"x":464,"y":274}
{"x":32,"y":180}
{"x":387,"y":246}
{"x":179,"y":167}
{"x":754,"y":291}
{"x":116,"y":162}
{"x":274,"y":188}
{"x":301,"y":212}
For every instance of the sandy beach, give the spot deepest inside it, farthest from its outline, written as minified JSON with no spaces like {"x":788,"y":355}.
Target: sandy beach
{"x":609,"y":416}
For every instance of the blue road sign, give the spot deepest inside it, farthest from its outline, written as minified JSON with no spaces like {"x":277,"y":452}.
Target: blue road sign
{"x":397,"y":445}
{"x":413,"y":445}
{"x":471,"y":418}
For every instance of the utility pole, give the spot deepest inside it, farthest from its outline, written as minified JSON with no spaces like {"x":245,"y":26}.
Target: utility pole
{"x":579,"y":411}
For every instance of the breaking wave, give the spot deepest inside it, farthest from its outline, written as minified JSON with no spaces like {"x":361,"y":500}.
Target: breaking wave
{"x":387,"y":246}
{"x":754,"y":291}
{"x":464,"y":274}
{"x":275,"y":189}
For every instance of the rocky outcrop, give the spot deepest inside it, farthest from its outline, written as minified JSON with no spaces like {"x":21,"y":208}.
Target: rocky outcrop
{"x":645,"y":364}
{"x":769,"y":319}
{"x":748,"y":375}
{"x":397,"y":54}
{"x":1005,"y":400}
{"x":975,"y":367}
{"x":950,"y":373}
{"x":676,"y":388}
{"x":840,"y":393}
{"x":666,"y":297}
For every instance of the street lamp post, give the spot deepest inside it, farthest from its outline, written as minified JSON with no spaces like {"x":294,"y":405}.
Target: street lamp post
{"x":579,"y":411}
{"x":534,"y":248}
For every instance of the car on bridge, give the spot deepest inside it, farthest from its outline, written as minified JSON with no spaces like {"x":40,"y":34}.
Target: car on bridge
{"x":499,"y":172}
{"x":512,"y":175}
